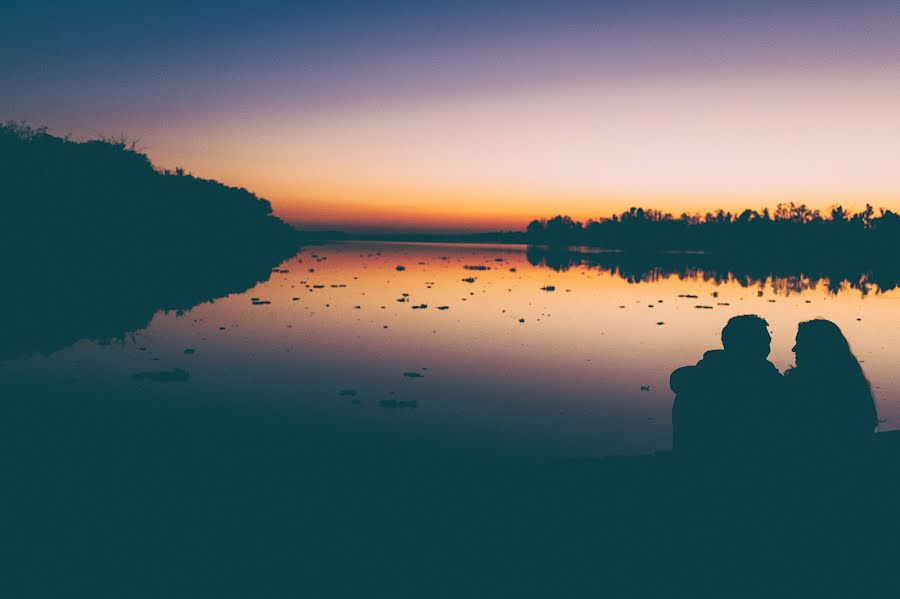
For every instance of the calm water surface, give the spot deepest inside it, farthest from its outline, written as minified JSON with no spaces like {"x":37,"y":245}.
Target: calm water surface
{"x":471,"y":346}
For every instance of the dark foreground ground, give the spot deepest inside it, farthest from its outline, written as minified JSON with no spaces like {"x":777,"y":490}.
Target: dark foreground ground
{"x":106,"y":498}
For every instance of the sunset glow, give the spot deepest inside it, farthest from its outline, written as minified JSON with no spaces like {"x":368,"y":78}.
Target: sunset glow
{"x":477,"y":118}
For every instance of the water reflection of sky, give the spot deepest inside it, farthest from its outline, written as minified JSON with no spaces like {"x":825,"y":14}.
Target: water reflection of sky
{"x":566,"y":381}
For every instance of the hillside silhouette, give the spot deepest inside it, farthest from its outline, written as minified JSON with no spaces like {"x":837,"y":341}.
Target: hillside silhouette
{"x":94,"y":239}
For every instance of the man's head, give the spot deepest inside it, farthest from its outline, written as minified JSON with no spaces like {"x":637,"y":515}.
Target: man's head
{"x":747,"y":336}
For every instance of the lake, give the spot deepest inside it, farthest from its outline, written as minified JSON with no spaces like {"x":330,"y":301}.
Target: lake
{"x":489,"y":350}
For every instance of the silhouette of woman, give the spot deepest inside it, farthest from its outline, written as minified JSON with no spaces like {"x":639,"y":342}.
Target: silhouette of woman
{"x":837,"y":412}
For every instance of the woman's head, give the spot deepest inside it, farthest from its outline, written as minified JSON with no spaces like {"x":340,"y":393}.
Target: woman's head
{"x":820,"y":343}
{"x":823,"y":354}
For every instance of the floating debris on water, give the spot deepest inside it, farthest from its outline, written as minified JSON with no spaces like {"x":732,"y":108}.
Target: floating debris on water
{"x":347,"y":392}
{"x":399,"y":403}
{"x":469,"y":280}
{"x":688,"y":295}
{"x":413,"y":375}
{"x":190,"y":351}
{"x":704,"y":307}
{"x":548,"y":288}
{"x":400,"y":268}
{"x":261,"y":302}
{"x":176,"y":375}
{"x":443,"y":307}
{"x":420,"y":307}
{"x":476,"y":267}
{"x":645,"y":387}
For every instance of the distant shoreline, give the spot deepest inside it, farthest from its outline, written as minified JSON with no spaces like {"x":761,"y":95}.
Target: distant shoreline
{"x":794,"y":272}
{"x":490,"y":237}
{"x":870,"y":235}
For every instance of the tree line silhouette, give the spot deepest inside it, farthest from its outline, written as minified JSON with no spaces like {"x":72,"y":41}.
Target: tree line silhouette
{"x":791,"y":227}
{"x":94,"y":239}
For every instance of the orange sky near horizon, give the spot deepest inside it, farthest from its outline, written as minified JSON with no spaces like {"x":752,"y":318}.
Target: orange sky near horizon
{"x":476,"y":115}
{"x":496,"y":158}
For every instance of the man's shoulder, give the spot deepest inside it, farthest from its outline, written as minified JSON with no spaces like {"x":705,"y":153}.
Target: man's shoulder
{"x":682,"y":378}
{"x":713,"y":356}
{"x":690,"y":378}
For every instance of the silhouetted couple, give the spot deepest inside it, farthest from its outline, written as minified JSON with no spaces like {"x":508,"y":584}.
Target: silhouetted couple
{"x":734,"y":408}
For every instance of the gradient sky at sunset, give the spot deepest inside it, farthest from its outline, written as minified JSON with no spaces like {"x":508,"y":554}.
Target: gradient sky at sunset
{"x":464,"y":115}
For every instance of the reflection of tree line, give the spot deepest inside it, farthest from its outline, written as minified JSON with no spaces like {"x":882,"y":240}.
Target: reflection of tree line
{"x":94,"y":240}
{"x":787,"y":274}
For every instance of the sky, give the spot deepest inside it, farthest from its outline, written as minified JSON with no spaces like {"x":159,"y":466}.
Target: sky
{"x":478,"y":115}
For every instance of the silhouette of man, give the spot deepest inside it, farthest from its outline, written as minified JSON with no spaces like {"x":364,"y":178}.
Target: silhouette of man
{"x":727,"y":406}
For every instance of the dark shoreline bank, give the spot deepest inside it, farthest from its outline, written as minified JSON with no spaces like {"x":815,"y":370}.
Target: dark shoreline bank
{"x":110,"y":498}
